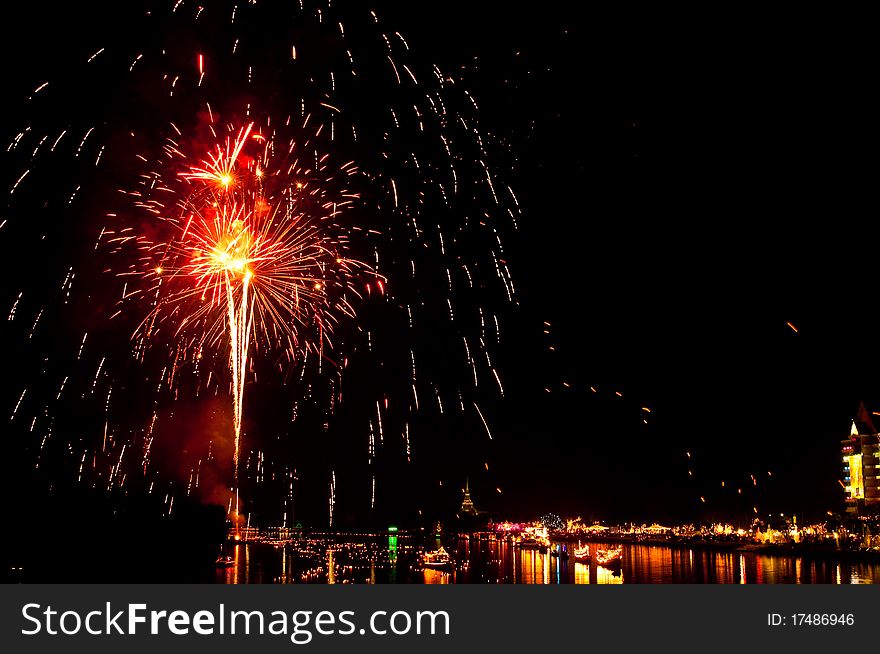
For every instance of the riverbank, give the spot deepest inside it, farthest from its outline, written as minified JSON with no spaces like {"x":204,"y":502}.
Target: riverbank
{"x":805,"y":550}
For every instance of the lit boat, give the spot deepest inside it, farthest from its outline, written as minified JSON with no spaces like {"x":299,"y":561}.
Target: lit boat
{"x":439,"y":558}
{"x":527,"y":543}
{"x":225,"y":561}
{"x":582,"y":554}
{"x":609,"y":557}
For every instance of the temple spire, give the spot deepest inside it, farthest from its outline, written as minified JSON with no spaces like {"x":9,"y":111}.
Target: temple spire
{"x":467,"y":505}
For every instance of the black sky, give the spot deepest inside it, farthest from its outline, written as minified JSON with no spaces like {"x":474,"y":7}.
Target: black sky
{"x":690,"y":183}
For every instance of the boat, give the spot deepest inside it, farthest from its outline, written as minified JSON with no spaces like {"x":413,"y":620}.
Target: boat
{"x":609,"y":557}
{"x":562,"y":555}
{"x":438,"y":559}
{"x":528,"y":543}
{"x":225,"y":561}
{"x":582,"y":554}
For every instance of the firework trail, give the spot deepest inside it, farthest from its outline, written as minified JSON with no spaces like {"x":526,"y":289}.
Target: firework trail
{"x":243,"y":243}
{"x":229,"y":183}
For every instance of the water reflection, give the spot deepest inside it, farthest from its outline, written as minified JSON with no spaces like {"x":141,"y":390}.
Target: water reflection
{"x":396,"y":560}
{"x":436,"y":576}
{"x":581,"y":573}
{"x":608,"y":576}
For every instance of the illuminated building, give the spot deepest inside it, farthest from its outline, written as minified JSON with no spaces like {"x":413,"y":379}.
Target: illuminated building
{"x":861,"y":466}
{"x":469,"y":518}
{"x":467,"y":505}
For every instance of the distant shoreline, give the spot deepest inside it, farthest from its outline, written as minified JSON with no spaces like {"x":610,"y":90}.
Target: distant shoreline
{"x":805,"y":550}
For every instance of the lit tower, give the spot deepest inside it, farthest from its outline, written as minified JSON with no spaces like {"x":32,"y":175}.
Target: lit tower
{"x":467,"y":505}
{"x":861,"y":464}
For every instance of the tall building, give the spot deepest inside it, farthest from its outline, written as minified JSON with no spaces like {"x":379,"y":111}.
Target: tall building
{"x":469,"y":518}
{"x":861,"y":465}
{"x":467,"y":505}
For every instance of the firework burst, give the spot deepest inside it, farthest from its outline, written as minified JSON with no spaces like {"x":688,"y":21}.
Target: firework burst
{"x":250,"y":248}
{"x":266,"y":152}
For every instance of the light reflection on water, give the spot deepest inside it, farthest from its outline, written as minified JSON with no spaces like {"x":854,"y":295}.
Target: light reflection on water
{"x":499,"y":562}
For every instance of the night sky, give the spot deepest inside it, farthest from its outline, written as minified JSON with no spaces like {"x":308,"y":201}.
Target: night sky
{"x":690,"y":184}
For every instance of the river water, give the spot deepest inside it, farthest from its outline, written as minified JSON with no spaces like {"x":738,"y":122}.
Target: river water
{"x":396,"y":560}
